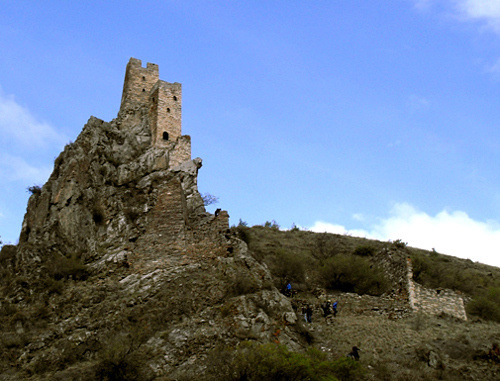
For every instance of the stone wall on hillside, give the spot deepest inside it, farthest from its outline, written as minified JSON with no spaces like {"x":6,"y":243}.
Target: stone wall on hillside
{"x":434,"y":302}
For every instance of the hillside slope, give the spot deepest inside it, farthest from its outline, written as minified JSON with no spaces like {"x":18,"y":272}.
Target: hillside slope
{"x":121,"y":274}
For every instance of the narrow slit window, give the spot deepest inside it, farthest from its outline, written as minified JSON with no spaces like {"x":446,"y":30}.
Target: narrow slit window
{"x":168,"y":110}
{"x":175,"y":98}
{"x":165,"y":135}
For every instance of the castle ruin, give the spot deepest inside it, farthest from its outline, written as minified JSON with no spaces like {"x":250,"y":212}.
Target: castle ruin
{"x":143,"y":87}
{"x":125,"y":186}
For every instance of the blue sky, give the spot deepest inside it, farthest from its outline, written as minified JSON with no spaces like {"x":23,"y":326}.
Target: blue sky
{"x":373,"y":118}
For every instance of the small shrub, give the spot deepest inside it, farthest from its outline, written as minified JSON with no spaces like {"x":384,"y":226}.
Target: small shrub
{"x":353,"y":274}
{"x":364,"y":251}
{"x":486,"y":306}
{"x":399,"y":244}
{"x":323,"y":247}
{"x":242,"y":232}
{"x":7,"y":255}
{"x":288,"y":266}
{"x":272,"y":225}
{"x":243,"y":284}
{"x":436,"y":271}
{"x":116,"y":361}
{"x":34,"y":189}
{"x":66,"y":268}
{"x":275,"y":362}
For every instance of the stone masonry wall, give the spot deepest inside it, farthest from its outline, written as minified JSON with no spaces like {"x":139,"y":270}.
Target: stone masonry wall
{"x":181,"y":152}
{"x":168,"y":219}
{"x":434,"y":302}
{"x":138,"y":83}
{"x":163,"y":101}
{"x":165,"y":112}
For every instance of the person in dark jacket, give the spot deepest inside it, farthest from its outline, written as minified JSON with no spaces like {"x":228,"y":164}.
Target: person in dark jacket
{"x":326,"y":309}
{"x":309,"y":313}
{"x":354,"y":353}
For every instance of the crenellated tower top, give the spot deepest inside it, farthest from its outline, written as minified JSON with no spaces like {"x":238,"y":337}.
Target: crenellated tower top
{"x":138,"y":82}
{"x":142,"y":87}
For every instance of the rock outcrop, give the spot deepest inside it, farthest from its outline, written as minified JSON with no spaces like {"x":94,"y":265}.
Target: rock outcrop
{"x":161,"y":276}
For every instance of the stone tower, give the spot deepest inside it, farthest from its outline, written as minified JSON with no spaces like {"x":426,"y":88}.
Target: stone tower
{"x":142,"y":87}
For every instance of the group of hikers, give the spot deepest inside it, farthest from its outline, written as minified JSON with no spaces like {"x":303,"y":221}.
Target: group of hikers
{"x":327,"y":307}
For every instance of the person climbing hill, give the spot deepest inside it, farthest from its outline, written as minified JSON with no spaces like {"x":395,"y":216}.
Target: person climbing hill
{"x":354,"y":353}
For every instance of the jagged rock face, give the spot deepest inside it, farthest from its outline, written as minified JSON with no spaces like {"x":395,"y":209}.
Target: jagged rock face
{"x":102,"y":189}
{"x":164,"y":279}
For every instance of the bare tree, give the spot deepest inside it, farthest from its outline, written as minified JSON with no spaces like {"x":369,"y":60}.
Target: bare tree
{"x":209,"y":199}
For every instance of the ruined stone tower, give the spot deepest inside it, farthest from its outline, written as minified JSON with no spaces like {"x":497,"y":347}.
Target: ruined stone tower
{"x":142,"y":87}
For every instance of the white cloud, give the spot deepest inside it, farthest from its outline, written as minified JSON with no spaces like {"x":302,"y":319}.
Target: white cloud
{"x":452,"y":233}
{"x":19,"y":125}
{"x":483,"y":11}
{"x":480,"y":9}
{"x":15,"y":168}
{"x":487,"y":11}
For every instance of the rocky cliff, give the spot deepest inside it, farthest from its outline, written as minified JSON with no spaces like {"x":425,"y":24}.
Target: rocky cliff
{"x":119,"y":260}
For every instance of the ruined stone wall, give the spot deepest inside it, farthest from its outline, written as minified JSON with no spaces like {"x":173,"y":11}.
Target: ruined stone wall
{"x":138,"y":83}
{"x":213,"y":227}
{"x":434,"y":302}
{"x":168,"y":220}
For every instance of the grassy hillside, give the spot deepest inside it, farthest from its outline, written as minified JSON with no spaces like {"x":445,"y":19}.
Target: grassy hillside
{"x":304,"y":258}
{"x":45,"y":319}
{"x":393,"y":347}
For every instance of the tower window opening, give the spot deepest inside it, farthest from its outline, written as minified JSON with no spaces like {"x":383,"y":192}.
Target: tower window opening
{"x":175,"y":98}
{"x":165,"y":135}
{"x":143,"y":90}
{"x":143,"y":78}
{"x":168,"y":110}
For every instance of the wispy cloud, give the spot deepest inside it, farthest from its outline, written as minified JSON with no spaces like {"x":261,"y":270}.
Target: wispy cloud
{"x":18,"y":125}
{"x":15,"y":168}
{"x":28,"y":144}
{"x":487,"y":11}
{"x":453,"y":233}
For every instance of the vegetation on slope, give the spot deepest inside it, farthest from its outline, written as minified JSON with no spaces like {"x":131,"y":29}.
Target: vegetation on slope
{"x":392,"y":350}
{"x":345,"y":263}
